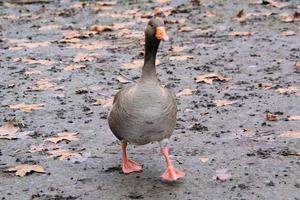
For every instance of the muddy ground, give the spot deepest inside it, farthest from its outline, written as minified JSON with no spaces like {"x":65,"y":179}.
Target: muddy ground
{"x":236,"y":140}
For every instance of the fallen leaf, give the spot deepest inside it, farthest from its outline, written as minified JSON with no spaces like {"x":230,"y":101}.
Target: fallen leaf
{"x":222,"y":175}
{"x":185,"y":92}
{"x":294,"y":118}
{"x":101,"y":28}
{"x":285,"y":17}
{"x":63,"y":136}
{"x":288,"y":33}
{"x":64,"y":154}
{"x":105,"y":3}
{"x":271,"y":116}
{"x":74,"y":67}
{"x":204,"y":159}
{"x":209,"y":13}
{"x":162,"y":1}
{"x":42,"y":147}
{"x":22,"y":170}
{"x":291,"y":134}
{"x":33,"y":61}
{"x":185,"y":29}
{"x":181,"y":58}
{"x":103,"y":102}
{"x":121,"y":79}
{"x":83,"y":57}
{"x":90,"y":46}
{"x":274,"y":3}
{"x":241,"y":33}
{"x":8,"y":130}
{"x":297,"y":65}
{"x":265,"y":85}
{"x":30,"y":45}
{"x":71,"y":35}
{"x":209,"y":78}
{"x":242,"y":16}
{"x":27,"y":107}
{"x":289,"y":90}
{"x":224,"y":102}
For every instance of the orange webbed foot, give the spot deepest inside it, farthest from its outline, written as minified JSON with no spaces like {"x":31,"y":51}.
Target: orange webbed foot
{"x":172,"y":174}
{"x":129,"y":166}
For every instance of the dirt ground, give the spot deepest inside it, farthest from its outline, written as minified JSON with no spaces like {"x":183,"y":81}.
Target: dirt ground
{"x":228,"y":151}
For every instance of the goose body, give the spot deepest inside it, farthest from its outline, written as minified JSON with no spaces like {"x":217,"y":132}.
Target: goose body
{"x":145,"y":112}
{"x":142,"y":113}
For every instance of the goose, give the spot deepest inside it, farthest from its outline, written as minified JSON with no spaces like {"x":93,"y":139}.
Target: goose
{"x":145,"y":112}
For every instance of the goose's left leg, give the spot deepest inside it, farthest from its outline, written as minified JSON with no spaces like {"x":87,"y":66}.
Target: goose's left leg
{"x":171,"y":173}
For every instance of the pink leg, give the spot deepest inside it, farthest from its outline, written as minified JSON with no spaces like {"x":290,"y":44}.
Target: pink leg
{"x":129,"y":166}
{"x":171,"y":173}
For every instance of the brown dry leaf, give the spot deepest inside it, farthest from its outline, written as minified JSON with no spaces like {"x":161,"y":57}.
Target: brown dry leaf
{"x":27,"y":107}
{"x":209,"y":78}
{"x":74,"y":67}
{"x":162,"y":1}
{"x":222,"y":175}
{"x":291,"y":134}
{"x":204,"y":31}
{"x":101,"y":28}
{"x":63,"y":136}
{"x":8,"y":130}
{"x":285,"y":17}
{"x":294,"y":118}
{"x":297,"y":65}
{"x":71,"y":35}
{"x":288,"y":33}
{"x":185,"y":92}
{"x":289,"y":90}
{"x":204,"y":159}
{"x":241,"y":33}
{"x":83,"y":57}
{"x":22,"y":170}
{"x":42,"y":147}
{"x":64,"y":154}
{"x":104,"y":102}
{"x":185,"y":29}
{"x":43,"y":84}
{"x":224,"y":102}
{"x":274,"y":3}
{"x":209,"y":13}
{"x":271,"y":116}
{"x":181,"y":58}
{"x":121,"y":79}
{"x":90,"y":46}
{"x":134,"y":64}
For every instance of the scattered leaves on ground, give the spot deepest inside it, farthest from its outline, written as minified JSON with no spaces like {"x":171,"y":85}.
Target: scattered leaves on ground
{"x":204,"y":159}
{"x":69,"y":136}
{"x":8,"y":130}
{"x":181,"y":58}
{"x":74,"y":67}
{"x":288,"y":33}
{"x":134,"y":64}
{"x":43,"y":84}
{"x":289,"y":90}
{"x":22,"y":170}
{"x":121,"y":79}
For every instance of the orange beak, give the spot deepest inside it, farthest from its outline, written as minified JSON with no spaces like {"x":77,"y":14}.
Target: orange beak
{"x":161,"y":33}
